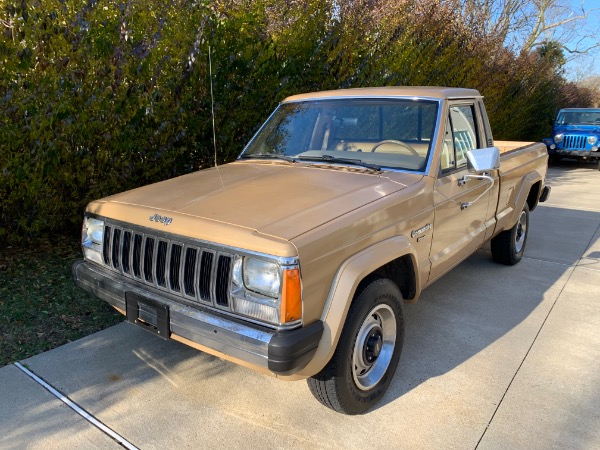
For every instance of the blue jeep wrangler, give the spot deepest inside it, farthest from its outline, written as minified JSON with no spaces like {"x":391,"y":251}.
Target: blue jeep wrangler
{"x":576,"y":135}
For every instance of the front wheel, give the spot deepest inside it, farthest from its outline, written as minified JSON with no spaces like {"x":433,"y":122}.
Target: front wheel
{"x":368,"y":351}
{"x":508,"y":246}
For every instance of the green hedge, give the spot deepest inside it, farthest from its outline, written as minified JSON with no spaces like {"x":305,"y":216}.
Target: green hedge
{"x":99,"y":97}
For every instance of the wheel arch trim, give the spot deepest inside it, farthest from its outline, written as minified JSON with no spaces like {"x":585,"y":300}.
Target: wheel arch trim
{"x":527,"y":182}
{"x":343,"y":288}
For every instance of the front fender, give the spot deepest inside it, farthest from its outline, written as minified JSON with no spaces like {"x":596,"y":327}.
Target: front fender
{"x":343,"y":287}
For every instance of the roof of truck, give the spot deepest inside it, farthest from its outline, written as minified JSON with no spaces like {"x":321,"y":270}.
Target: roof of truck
{"x":390,"y":91}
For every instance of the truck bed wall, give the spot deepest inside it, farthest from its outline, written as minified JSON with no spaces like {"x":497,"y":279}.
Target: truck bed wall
{"x":521,"y":165}
{"x":507,"y":146}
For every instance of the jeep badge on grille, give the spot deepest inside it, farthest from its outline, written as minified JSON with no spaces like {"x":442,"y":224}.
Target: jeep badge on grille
{"x":161,"y":219}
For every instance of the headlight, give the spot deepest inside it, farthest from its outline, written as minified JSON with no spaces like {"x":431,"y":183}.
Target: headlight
{"x":558,"y":138}
{"x":592,"y":140}
{"x":266,"y":291}
{"x":262,"y":276}
{"x":92,"y":237}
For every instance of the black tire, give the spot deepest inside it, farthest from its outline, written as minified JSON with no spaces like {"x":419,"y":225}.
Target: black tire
{"x":347,"y":387}
{"x":599,"y":164}
{"x":508,"y":246}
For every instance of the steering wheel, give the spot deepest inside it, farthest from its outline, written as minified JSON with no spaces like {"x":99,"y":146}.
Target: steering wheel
{"x":393,"y":141}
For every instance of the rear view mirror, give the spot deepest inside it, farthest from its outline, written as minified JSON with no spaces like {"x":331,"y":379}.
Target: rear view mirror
{"x":483,"y":159}
{"x":346,"y":121}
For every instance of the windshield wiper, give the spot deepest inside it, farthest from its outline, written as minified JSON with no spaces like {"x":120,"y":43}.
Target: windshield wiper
{"x":269,"y":156}
{"x":333,"y":159}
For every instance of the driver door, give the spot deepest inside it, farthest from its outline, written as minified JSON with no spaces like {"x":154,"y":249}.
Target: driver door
{"x":458,"y":230}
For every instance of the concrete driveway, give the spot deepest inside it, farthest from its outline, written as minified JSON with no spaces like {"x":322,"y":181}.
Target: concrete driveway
{"x":495,"y":357}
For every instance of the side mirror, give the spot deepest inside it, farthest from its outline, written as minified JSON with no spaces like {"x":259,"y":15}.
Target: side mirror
{"x":483,"y":159}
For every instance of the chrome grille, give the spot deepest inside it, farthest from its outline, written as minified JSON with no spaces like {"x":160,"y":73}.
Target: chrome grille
{"x":186,"y":269}
{"x":574,"y":141}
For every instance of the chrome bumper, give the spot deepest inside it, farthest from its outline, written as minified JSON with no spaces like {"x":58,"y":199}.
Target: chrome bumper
{"x":281,"y":352}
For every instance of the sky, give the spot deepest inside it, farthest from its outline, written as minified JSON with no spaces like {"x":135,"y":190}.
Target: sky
{"x":584,"y":65}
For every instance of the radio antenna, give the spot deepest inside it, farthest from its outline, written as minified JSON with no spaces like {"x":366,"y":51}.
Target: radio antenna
{"x":212,"y":109}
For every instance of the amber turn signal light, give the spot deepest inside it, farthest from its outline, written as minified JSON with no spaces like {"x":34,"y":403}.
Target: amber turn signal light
{"x":291,"y":300}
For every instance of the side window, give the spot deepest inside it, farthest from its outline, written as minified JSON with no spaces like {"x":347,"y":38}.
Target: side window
{"x":461,"y":136}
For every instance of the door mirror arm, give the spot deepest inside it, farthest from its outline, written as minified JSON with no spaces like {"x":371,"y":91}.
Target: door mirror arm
{"x":482,"y":176}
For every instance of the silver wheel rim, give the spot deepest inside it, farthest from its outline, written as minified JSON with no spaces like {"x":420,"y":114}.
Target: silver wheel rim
{"x":521,"y":232}
{"x":374,"y":347}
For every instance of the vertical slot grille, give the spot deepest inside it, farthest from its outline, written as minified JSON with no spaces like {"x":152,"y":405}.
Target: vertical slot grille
{"x":106,"y":245}
{"x":206,"y":263}
{"x":126,"y":249}
{"x":161,"y":263}
{"x":115,"y":248}
{"x":148,"y":255}
{"x":175,"y":264}
{"x":189,"y":269}
{"x":574,"y":142}
{"x":137,"y":256}
{"x":222,"y":284}
{"x":186,"y":268}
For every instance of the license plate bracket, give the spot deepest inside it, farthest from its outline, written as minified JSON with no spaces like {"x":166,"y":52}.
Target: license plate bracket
{"x":147,"y":313}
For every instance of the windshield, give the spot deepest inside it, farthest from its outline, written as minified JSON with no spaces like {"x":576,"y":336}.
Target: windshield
{"x":391,"y":133}
{"x":590,"y":117}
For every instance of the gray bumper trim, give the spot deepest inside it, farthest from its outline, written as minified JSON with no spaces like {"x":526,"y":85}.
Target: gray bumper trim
{"x":575,"y":153}
{"x":226,"y":336}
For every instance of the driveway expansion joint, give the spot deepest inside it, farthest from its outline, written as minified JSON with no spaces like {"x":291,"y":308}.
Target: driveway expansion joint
{"x":76,"y":408}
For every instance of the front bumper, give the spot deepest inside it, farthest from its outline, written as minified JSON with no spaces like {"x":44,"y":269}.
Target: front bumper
{"x":279,"y":352}
{"x":587,"y":154}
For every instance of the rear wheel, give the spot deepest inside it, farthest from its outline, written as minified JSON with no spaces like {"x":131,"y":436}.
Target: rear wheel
{"x":508,"y":246}
{"x":368,"y":351}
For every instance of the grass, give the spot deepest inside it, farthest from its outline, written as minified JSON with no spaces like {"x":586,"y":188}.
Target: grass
{"x":40,"y":306}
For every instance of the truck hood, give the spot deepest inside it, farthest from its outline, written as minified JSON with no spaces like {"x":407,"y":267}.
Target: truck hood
{"x":276,"y":199}
{"x":591,"y":129}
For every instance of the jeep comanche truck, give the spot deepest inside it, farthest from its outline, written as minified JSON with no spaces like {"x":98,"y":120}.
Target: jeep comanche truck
{"x":576,"y":135}
{"x":297,"y":258}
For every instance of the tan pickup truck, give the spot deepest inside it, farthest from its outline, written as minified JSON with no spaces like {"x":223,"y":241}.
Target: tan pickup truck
{"x":296,"y":259}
